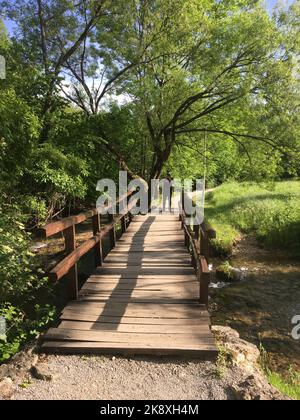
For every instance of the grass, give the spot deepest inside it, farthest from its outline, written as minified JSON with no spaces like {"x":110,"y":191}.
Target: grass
{"x":271,"y":212}
{"x":289,"y":386}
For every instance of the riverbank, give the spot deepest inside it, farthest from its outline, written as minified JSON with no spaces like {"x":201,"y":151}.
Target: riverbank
{"x":261,"y":305}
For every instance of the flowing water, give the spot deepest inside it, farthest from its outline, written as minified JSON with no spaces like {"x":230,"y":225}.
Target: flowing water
{"x":262,"y":305}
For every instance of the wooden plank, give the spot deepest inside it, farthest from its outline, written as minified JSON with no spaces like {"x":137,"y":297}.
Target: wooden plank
{"x":152,"y":235}
{"x":155,"y":229}
{"x":152,"y":256}
{"x":124,"y":312}
{"x":154,"y":265}
{"x":150,"y":223}
{"x":156,"y":217}
{"x":126,"y":300}
{"x":149,"y":252}
{"x":158,"y":298}
{"x":197,"y":308}
{"x":143,"y":297}
{"x":126,"y":290}
{"x":201,"y":351}
{"x":146,"y":242}
{"x":157,"y":239}
{"x":176,"y":293}
{"x":140,"y":279}
{"x":150,"y":248}
{"x":82,"y":317}
{"x":141,"y":286}
{"x":167,"y":339}
{"x":117,"y":309}
{"x":141,"y":259}
{"x":141,"y":273}
{"x":202,"y":327}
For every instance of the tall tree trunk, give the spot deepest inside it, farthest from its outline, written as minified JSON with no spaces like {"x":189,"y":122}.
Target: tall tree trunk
{"x":162,"y":156}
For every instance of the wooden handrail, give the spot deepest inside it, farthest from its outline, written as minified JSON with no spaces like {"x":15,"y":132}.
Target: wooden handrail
{"x":68,"y":266}
{"x":67,"y":263}
{"x":53,"y":228}
{"x":198,"y":244}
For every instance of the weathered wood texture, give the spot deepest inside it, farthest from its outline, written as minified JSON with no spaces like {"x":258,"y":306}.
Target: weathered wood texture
{"x":144,"y":299}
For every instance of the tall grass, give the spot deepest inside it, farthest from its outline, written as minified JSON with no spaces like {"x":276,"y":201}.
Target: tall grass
{"x":270,"y":212}
{"x":289,"y":386}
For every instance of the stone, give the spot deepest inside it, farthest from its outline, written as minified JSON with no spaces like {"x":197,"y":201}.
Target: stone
{"x":255,"y":388}
{"x":243,"y":354}
{"x":7,"y":388}
{"x":229,"y":274}
{"x":224,"y":333}
{"x":35,"y":361}
{"x":245,"y":357}
{"x":38,"y":246}
{"x":19,"y":365}
{"x":41,"y":372}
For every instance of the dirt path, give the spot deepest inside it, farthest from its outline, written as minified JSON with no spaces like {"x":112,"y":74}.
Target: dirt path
{"x":107,"y":378}
{"x":261,"y":307}
{"x":76,"y":377}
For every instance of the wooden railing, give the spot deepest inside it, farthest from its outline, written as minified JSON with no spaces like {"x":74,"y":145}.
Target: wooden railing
{"x":197,"y":239}
{"x":68,"y":266}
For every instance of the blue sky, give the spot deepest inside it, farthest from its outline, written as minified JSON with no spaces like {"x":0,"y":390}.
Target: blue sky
{"x":269,"y":4}
{"x":272,"y":3}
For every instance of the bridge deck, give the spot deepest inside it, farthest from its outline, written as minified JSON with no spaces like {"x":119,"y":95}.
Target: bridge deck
{"x":144,"y":300}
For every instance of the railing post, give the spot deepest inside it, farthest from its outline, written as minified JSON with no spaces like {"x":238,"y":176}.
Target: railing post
{"x":196,"y":229}
{"x":123,"y":224}
{"x":112,"y":233}
{"x":194,"y":263}
{"x":204,"y":243}
{"x":130,"y":217}
{"x":186,"y":238}
{"x":98,"y":247}
{"x":204,"y":288}
{"x":181,"y":217}
{"x":72,"y":276}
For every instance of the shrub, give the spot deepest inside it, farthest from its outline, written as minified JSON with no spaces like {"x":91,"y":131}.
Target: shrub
{"x":23,"y":288}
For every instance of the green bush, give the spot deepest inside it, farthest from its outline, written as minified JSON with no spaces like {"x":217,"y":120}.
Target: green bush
{"x":23,"y":287}
{"x":19,"y":128}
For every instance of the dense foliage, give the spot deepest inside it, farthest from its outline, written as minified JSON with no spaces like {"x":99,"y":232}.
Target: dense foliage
{"x":198,"y":87}
{"x":23,"y":285}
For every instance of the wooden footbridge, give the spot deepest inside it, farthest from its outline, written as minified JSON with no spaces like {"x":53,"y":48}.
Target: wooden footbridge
{"x":148,"y":296}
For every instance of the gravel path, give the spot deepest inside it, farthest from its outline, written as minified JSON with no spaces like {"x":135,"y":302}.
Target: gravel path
{"x":101,"y":378}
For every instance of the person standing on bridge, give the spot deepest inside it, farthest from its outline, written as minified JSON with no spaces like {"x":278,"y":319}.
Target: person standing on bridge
{"x":167,"y":191}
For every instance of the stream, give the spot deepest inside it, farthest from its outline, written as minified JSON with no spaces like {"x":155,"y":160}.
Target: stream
{"x":261,"y":306}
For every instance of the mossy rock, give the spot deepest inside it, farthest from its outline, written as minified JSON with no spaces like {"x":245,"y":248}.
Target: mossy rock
{"x":228,"y":274}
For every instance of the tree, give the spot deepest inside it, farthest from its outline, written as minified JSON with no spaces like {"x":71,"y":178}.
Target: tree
{"x":3,"y":35}
{"x":215,"y":69}
{"x":51,"y":32}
